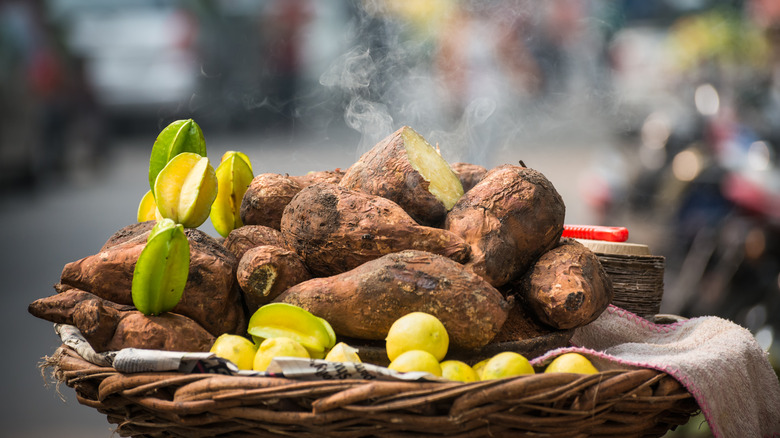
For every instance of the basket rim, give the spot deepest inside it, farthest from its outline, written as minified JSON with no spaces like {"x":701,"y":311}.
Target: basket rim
{"x":194,"y":403}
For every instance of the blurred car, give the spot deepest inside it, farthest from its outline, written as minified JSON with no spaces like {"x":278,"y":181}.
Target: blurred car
{"x":139,"y":55}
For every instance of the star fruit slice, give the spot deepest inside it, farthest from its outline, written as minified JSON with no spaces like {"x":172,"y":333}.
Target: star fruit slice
{"x":234,"y":174}
{"x":180,"y":136}
{"x":185,"y":189}
{"x":286,"y":320}
{"x":161,"y":271}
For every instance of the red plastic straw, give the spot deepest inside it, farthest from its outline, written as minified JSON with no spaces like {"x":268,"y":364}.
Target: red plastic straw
{"x":596,"y":232}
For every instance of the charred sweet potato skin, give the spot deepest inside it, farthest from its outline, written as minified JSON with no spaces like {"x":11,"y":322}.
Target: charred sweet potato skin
{"x":240,"y":240}
{"x":336,"y":229}
{"x":469,"y":174}
{"x":364,"y":302}
{"x":327,"y":176}
{"x":211,"y":296}
{"x":385,"y":171}
{"x":252,"y":274}
{"x":108,"y":326}
{"x":510,"y":218}
{"x":567,"y":287}
{"x":266,"y":198}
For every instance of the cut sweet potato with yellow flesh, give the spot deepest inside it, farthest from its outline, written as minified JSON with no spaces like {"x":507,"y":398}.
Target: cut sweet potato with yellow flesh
{"x":444,"y":183}
{"x":407,"y":170}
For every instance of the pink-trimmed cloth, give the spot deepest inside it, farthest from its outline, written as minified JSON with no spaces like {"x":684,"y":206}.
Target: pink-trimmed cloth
{"x":719,"y":362}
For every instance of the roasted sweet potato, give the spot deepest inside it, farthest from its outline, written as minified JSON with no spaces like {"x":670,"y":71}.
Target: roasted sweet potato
{"x":469,"y":174}
{"x":407,"y":170}
{"x":127,"y":233}
{"x":335,"y":229}
{"x":108,"y":326}
{"x":510,"y":218}
{"x":521,"y":323}
{"x":266,"y":271}
{"x":265,"y":199}
{"x":211,"y":296}
{"x":328,"y":176}
{"x":364,"y":302}
{"x":567,"y":287}
{"x":250,"y":236}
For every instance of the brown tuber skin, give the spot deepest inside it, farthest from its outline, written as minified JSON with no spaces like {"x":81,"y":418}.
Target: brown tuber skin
{"x":265,"y":199}
{"x":247,"y":237}
{"x":264,"y":272}
{"x":108,"y":326}
{"x":326,"y":176}
{"x":469,"y":174}
{"x":510,"y":218}
{"x":567,"y":287}
{"x":211,"y":296}
{"x":364,"y":302}
{"x":335,"y":229}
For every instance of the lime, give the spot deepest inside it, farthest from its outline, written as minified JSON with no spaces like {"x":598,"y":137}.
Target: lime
{"x":417,"y":331}
{"x":416,"y":360}
{"x":237,"y":349}
{"x":458,"y":371}
{"x":277,"y":347}
{"x":571,"y":363}
{"x":506,"y":364}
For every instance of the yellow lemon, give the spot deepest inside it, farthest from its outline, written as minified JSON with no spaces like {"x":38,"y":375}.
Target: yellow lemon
{"x":571,"y":363}
{"x":417,"y":331}
{"x":506,"y":364}
{"x":459,"y":371}
{"x":416,"y":360}
{"x":277,"y":347}
{"x":343,"y":353}
{"x":479,"y":366}
{"x":237,"y":349}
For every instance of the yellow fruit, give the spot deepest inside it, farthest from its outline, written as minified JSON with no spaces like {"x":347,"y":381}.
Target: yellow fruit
{"x":147,"y":208}
{"x":185,"y":189}
{"x":234,"y":174}
{"x":343,"y":353}
{"x":237,"y":349}
{"x":285,"y":320}
{"x":480,"y":366}
{"x":416,"y":360}
{"x":417,"y":331}
{"x":571,"y":363}
{"x":277,"y":347}
{"x":458,"y":371}
{"x":506,"y":364}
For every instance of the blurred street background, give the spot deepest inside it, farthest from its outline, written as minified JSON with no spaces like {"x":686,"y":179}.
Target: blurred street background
{"x":662,"y":116}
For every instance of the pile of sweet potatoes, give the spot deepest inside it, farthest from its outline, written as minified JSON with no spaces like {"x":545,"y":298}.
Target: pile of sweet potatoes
{"x":399,"y":231}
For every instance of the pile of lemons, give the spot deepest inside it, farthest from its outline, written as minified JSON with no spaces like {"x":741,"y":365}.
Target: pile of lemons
{"x":416,"y":342}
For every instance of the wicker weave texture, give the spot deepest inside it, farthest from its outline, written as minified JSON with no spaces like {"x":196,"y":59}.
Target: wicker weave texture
{"x":612,"y":403}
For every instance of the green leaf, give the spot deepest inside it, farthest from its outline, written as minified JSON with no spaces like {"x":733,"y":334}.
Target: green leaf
{"x":180,"y":136}
{"x":162,"y":269}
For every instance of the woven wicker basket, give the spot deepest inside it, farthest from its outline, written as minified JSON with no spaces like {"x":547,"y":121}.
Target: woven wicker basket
{"x":623,"y":403}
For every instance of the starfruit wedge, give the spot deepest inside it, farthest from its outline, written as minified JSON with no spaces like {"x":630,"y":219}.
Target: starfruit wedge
{"x":161,"y":270}
{"x":147,"y":208}
{"x":234,"y":174}
{"x":185,"y":189}
{"x":241,"y":155}
{"x":180,"y":136}
{"x":286,"y":320}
